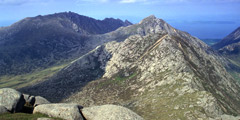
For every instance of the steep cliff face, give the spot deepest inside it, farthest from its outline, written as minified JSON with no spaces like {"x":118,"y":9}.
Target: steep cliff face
{"x":160,"y":72}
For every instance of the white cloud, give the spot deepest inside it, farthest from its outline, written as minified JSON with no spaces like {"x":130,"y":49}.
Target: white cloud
{"x":133,"y":1}
{"x":127,"y":1}
{"x":92,"y":1}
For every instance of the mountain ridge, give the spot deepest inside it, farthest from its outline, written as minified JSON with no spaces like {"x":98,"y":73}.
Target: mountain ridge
{"x":229,"y":47}
{"x":165,"y":72}
{"x":44,"y":41}
{"x":232,"y":38}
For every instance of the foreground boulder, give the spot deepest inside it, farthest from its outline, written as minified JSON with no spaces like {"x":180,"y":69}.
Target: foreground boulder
{"x":11,"y":99}
{"x":109,"y":112}
{"x":40,"y":100}
{"x":3,"y":110}
{"x":64,"y":111}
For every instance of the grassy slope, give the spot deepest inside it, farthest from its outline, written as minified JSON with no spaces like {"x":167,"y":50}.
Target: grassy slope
{"x":235,"y":73}
{"x":164,"y":103}
{"x":23,"y":80}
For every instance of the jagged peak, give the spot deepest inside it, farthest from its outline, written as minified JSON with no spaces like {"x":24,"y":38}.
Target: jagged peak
{"x":152,"y":24}
{"x":111,"y":19}
{"x":127,"y":23}
{"x":238,"y":28}
{"x":149,"y":18}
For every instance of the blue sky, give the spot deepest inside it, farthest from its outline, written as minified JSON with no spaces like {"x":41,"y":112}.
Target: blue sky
{"x":201,"y":18}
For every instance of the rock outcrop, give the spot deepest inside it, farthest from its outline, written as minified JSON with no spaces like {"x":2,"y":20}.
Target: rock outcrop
{"x":11,"y":99}
{"x":3,"y":109}
{"x":226,"y":117}
{"x":109,"y":112}
{"x":40,"y":100}
{"x":64,"y":111}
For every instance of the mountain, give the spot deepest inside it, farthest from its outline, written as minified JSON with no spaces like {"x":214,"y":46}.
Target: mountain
{"x":229,"y":47}
{"x":159,"y":72}
{"x":229,"y":42}
{"x":43,"y":41}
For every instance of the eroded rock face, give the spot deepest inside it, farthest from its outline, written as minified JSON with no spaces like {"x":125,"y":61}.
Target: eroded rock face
{"x":11,"y":99}
{"x":3,"y":110}
{"x":64,"y":111}
{"x":109,"y":112}
{"x":40,"y":100}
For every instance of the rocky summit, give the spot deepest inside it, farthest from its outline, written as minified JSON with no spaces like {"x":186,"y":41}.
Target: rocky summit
{"x":159,"y":72}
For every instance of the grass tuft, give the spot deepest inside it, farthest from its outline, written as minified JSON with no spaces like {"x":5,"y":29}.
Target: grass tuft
{"x":23,"y":116}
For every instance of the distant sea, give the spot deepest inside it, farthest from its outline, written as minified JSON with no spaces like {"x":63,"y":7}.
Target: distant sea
{"x":210,"y":42}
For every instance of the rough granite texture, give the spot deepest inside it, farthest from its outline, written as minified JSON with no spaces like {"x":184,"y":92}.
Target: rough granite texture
{"x":109,"y":112}
{"x":3,"y":109}
{"x":61,"y":110}
{"x":11,"y":99}
{"x":40,"y":100}
{"x":226,"y":117}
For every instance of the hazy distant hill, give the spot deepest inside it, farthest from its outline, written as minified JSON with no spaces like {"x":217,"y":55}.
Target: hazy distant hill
{"x":229,"y":47}
{"x":229,"y":42}
{"x":42,"y":41}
